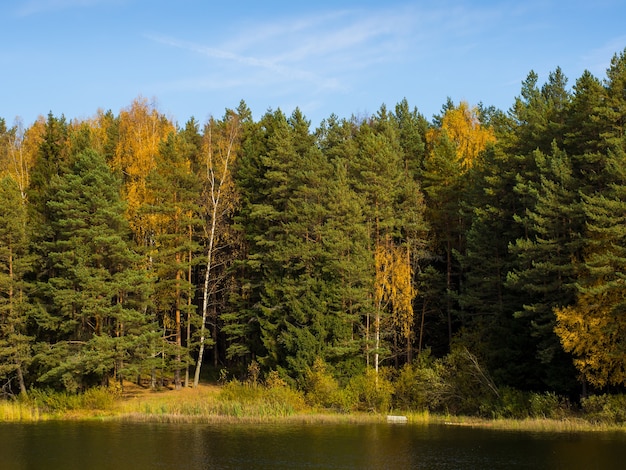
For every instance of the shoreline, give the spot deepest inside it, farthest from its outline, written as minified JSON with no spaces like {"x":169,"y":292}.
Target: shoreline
{"x":209,"y":405}
{"x":536,"y":425}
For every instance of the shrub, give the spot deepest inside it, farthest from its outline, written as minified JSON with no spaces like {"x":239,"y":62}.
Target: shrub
{"x":254,"y":371}
{"x":468,"y":387}
{"x":321,"y":388}
{"x":608,"y":409}
{"x":548,"y":405}
{"x":420,"y":386}
{"x":273,"y":379}
{"x":511,"y":403}
{"x":371,"y":391}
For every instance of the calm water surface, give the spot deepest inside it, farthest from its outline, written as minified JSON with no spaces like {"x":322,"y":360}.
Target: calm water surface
{"x":106,"y":445}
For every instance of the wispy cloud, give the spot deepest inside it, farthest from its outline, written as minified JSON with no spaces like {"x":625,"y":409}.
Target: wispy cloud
{"x":35,"y":7}
{"x":598,"y":60}
{"x":315,"y":51}
{"x":323,"y":58}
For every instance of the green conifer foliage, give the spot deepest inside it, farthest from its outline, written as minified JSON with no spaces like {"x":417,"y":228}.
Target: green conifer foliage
{"x":15,"y":344}
{"x":91,"y":291}
{"x":172,"y":215}
{"x":593,"y":328}
{"x":548,"y":260}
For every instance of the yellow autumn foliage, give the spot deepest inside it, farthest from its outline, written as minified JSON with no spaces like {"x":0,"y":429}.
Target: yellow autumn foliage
{"x":142,"y":129}
{"x":462,"y":126}
{"x":19,"y":152}
{"x":394,"y":286}
{"x":592,"y":332}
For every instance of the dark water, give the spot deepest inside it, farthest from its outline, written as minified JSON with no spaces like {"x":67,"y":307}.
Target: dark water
{"x":94,"y":446}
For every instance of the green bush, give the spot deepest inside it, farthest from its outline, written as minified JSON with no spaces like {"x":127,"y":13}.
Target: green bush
{"x":371,"y":391}
{"x":420,"y":386}
{"x":511,"y":403}
{"x":468,"y":387}
{"x":548,"y":405}
{"x":322,"y":389}
{"x":608,"y":409}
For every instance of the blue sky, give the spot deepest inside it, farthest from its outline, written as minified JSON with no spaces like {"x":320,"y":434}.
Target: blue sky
{"x":197,"y":58}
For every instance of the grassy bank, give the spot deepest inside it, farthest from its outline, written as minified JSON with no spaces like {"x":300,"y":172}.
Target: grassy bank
{"x":572,"y":424}
{"x":230,"y":403}
{"x":238,"y":402}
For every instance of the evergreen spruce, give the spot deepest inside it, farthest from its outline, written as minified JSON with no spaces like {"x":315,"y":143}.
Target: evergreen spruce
{"x":15,"y":264}
{"x":91,"y":293}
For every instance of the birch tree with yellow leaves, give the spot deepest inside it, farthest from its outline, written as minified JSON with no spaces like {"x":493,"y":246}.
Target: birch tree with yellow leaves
{"x":393,"y":292}
{"x":18,"y":151}
{"x":463,"y":127}
{"x":142,"y":129}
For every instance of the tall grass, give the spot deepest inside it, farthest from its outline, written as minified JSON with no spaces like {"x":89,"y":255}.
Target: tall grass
{"x":93,"y":399}
{"x":13,"y":410}
{"x":41,"y":405}
{"x":234,"y":401}
{"x":572,"y":424}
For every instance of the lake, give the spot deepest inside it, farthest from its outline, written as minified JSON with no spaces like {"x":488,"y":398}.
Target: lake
{"x":139,"y":446}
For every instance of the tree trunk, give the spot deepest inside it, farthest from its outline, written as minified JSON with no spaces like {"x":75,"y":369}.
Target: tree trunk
{"x":215,"y":196}
{"x":205,"y":304}
{"x":20,"y":380}
{"x":377,"y":338}
{"x":215,"y":346}
{"x":179,"y":345}
{"x":189,"y":303}
{"x":419,"y":344}
{"x":449,"y":288}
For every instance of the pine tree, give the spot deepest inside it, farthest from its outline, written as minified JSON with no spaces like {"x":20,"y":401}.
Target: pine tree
{"x":52,"y":154}
{"x":548,"y":261}
{"x":293,"y":305}
{"x":241,"y":326}
{"x":346,"y":238}
{"x":394,"y":214}
{"x":412,"y":128}
{"x":90,"y":290}
{"x":612,"y":112}
{"x":171,"y":214}
{"x":293,"y":269}
{"x":583,"y":126}
{"x":15,"y":263}
{"x":539,"y":113}
{"x":189,"y":146}
{"x":443,"y":188}
{"x":349,"y":270}
{"x":485,"y":304}
{"x":503,"y":197}
{"x":592,"y":329}
{"x":376,"y":170}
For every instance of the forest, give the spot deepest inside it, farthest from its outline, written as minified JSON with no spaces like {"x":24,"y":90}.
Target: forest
{"x":132,"y":248}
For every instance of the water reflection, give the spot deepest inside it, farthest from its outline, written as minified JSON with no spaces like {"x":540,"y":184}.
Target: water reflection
{"x":59,"y":445}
